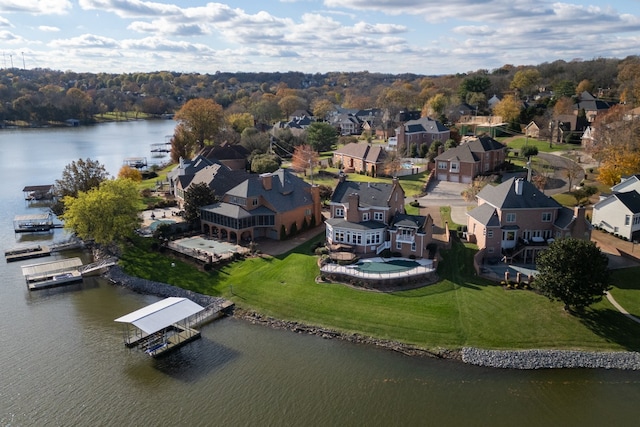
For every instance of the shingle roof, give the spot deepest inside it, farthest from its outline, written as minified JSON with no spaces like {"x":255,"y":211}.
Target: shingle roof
{"x":503,"y":196}
{"x":364,"y":225}
{"x":370,"y":193}
{"x":631,"y":199}
{"x":461,"y":153}
{"x":565,"y":217}
{"x":424,"y":124}
{"x":364,"y":151}
{"x":287,"y":190}
{"x":219,"y":178}
{"x":413,"y":221}
{"x":485,"y":214}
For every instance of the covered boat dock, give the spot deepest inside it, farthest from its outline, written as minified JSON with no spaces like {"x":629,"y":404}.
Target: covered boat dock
{"x":162,"y":326}
{"x":52,"y":274}
{"x":33,"y":222}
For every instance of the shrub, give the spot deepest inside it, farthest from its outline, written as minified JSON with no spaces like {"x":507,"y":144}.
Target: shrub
{"x":415,"y":204}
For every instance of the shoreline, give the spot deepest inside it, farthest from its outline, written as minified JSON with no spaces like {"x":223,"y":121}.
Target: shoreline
{"x":531,"y":359}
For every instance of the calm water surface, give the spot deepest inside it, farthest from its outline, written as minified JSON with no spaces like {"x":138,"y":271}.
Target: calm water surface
{"x":63,"y":362}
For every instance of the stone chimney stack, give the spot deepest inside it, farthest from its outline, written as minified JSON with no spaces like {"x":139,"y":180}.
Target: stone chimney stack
{"x":266,"y":179}
{"x":352,"y":211}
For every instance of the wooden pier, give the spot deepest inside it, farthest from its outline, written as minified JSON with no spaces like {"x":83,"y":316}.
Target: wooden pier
{"x":52,"y":274}
{"x":29,"y":252}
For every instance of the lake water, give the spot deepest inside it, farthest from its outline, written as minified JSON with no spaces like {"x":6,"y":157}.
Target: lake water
{"x":63,"y":362}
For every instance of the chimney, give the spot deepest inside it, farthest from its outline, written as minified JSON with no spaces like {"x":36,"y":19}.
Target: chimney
{"x":580,"y":227}
{"x":519,"y":185}
{"x":181,"y":162}
{"x":266,"y":179}
{"x":352,"y":211}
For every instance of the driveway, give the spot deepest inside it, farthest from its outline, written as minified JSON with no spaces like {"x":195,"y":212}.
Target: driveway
{"x":444,"y":193}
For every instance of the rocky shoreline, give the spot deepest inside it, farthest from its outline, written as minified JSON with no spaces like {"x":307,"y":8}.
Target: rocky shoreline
{"x":504,"y":359}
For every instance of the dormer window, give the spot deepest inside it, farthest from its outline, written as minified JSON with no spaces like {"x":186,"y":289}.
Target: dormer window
{"x":339,"y":212}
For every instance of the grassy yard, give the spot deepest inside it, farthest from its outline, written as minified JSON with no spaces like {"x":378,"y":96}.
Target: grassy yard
{"x":459,"y":310}
{"x":627,"y":289}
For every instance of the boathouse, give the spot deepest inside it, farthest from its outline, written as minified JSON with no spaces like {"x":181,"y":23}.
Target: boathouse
{"x":38,"y":192}
{"x":52,"y":274}
{"x":162,"y":326}
{"x":33,"y":222}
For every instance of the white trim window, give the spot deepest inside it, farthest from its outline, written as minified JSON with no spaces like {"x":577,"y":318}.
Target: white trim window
{"x":339,"y":212}
{"x":511,"y":217}
{"x":546,"y":216}
{"x":443,"y":165}
{"x":378,"y":216}
{"x":366,"y":216}
{"x":398,"y":245}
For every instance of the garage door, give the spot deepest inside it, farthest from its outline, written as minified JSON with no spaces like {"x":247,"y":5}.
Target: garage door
{"x":442,"y":177}
{"x":466,"y":179}
{"x":454,"y":178}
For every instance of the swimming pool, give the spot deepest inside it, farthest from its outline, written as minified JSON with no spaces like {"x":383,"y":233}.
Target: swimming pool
{"x":380,"y":265}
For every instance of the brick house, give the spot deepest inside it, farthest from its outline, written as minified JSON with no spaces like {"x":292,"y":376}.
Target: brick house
{"x":269,"y":205}
{"x":367,"y":218}
{"x":516,"y":220}
{"x":477,"y":156}
{"x":423,"y":131}
{"x":360,"y":157}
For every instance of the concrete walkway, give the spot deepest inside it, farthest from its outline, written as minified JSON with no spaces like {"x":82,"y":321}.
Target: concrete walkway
{"x":621,"y":309}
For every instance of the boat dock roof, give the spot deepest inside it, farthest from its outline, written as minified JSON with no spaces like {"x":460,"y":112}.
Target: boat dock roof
{"x":53,"y":273}
{"x":161,"y":314}
{"x":33,"y":217}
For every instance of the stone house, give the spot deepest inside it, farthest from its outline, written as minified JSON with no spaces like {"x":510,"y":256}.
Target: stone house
{"x":366,"y":218}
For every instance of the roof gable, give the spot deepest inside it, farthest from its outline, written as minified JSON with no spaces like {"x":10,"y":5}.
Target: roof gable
{"x":504,"y":196}
{"x":373,"y":194}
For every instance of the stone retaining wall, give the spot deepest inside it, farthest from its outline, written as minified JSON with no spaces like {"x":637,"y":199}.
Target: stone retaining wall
{"x":545,"y":359}
{"x":143,"y":286}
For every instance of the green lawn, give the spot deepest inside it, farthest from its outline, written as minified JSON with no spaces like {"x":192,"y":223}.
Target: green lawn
{"x":627,"y":289}
{"x":543,"y":146}
{"x":459,"y":310}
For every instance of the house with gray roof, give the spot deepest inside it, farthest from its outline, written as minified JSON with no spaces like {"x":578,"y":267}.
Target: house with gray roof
{"x":516,"y":220}
{"x":368,"y":217}
{"x":476,"y":156}
{"x":591,"y":105}
{"x":619,"y":212}
{"x":270,"y":205}
{"x":423,"y":131}
{"x":360,"y":157}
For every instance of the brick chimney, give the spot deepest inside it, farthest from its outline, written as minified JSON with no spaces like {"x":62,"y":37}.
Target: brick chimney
{"x":266,"y":179}
{"x":580,"y":230}
{"x":352,"y":211}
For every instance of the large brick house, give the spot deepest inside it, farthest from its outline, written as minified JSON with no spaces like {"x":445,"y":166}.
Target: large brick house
{"x":473,"y":157}
{"x":269,"y":205}
{"x":516,"y":220}
{"x":367,"y":218}
{"x":360,"y":158}
{"x":423,"y":131}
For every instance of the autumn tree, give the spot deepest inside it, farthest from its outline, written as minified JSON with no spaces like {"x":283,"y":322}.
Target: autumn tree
{"x":304,"y":156}
{"x":128,"y":172}
{"x":563,"y":106}
{"x":573,"y":271}
{"x":573,"y":172}
{"x":508,"y":108}
{"x":291,"y":103}
{"x":322,"y":108}
{"x":525,"y":80}
{"x":239,"y":121}
{"x":392,"y":164}
{"x":105,"y":214}
{"x":199,"y":121}
{"x":321,"y":136}
{"x":195,"y":197}
{"x":629,"y":78}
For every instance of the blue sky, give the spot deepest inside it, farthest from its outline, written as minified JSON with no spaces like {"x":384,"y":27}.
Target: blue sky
{"x":391,"y":36}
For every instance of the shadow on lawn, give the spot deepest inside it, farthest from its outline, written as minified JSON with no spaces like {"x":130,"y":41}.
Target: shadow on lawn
{"x":613,"y":326}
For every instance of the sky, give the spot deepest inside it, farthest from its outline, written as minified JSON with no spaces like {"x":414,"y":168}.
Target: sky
{"x":312,"y":36}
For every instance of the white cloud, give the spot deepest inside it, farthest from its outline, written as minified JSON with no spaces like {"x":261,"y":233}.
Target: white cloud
{"x":131,"y":8}
{"x":86,"y":41}
{"x":48,"y":29}
{"x":36,"y":7}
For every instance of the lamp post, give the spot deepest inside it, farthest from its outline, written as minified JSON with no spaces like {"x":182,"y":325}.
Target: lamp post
{"x":551,"y":124}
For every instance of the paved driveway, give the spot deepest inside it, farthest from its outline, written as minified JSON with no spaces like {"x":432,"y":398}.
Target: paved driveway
{"x":444,"y":193}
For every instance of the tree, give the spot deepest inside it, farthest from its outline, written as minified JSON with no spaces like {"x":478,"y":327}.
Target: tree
{"x":573,"y":271}
{"x":79,"y":175}
{"x":392,"y":164}
{"x":529,"y":150}
{"x":105,"y":214}
{"x":304,"y":156}
{"x":583,"y":193}
{"x":321,"y":136}
{"x":197,"y":196}
{"x":508,"y":109}
{"x":130,"y":173}
{"x":264,"y":163}
{"x":525,"y":80}
{"x":573,"y":172}
{"x":201,"y":119}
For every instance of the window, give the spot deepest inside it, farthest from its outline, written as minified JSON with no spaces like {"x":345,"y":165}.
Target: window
{"x":413,"y":247}
{"x":455,"y":167}
{"x":546,"y":216}
{"x":442,"y":165}
{"x":627,"y":219}
{"x":254,"y":202}
{"x":339,"y":212}
{"x":378,"y":216}
{"x":365,"y":216}
{"x":398,"y":245}
{"x":490,"y":234}
{"x":511,"y":217}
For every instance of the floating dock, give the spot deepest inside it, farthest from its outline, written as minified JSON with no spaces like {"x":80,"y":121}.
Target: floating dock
{"x":29,"y":252}
{"x":39,"y":192}
{"x":33,"y":223}
{"x":52,"y":274}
